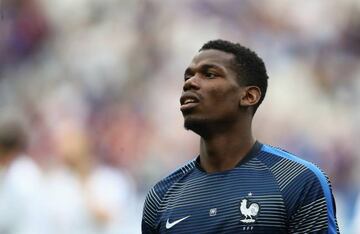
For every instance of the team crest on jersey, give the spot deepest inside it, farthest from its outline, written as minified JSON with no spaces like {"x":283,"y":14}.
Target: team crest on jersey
{"x":249,"y":210}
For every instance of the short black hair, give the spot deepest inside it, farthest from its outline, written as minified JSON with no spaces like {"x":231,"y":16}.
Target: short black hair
{"x":12,"y":137}
{"x":248,"y":65}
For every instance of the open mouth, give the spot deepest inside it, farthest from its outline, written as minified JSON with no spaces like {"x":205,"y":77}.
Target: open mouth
{"x":188,"y":101}
{"x":189,"y":104}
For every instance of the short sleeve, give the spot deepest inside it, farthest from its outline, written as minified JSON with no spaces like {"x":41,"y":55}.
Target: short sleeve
{"x":150,"y":213}
{"x":146,"y":229}
{"x":315,"y":209}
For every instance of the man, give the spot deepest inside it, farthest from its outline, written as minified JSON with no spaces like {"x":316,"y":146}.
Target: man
{"x":236,"y":184}
{"x":21,"y":186}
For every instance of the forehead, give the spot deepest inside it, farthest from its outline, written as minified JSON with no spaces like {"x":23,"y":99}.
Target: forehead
{"x":214,"y":57}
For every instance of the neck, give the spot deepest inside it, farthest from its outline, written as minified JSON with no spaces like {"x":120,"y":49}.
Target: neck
{"x":224,"y":150}
{"x":7,"y":158}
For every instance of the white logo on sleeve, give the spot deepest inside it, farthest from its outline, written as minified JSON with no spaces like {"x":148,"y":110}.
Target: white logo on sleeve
{"x":170,"y":225}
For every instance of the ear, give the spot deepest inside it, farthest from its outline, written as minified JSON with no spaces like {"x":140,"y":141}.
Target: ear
{"x":250,"y":96}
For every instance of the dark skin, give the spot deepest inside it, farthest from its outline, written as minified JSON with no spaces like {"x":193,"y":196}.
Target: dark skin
{"x":219,"y":109}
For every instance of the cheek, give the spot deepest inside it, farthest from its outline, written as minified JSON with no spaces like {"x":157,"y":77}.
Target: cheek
{"x":225,"y":96}
{"x":224,"y":100}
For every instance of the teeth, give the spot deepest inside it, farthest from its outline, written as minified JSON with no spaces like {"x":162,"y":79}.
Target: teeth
{"x":189,"y":101}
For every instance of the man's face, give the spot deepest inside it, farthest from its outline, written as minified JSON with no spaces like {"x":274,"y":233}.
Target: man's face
{"x":211,"y":92}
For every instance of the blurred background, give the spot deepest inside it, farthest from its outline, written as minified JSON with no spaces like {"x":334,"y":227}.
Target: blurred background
{"x":89,"y":101}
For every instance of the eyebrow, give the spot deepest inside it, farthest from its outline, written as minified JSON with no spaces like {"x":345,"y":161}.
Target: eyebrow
{"x":187,"y":71}
{"x":209,"y":66}
{"x":204,"y":67}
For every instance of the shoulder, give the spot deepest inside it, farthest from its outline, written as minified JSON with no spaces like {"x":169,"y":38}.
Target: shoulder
{"x":24,"y":167}
{"x":161,"y":187}
{"x":286,"y":166}
{"x":302,"y":183}
{"x":154,"y":199}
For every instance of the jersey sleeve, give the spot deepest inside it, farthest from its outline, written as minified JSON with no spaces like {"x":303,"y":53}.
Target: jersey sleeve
{"x":148,"y":223}
{"x":315,"y":209}
{"x":146,"y":229}
{"x":306,"y":191}
{"x":154,"y":202}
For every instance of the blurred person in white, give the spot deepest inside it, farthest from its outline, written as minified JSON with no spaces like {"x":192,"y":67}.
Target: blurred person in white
{"x":21,"y":184}
{"x":84,"y":196}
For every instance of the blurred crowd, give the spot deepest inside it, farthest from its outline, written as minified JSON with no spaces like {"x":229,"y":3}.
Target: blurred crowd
{"x":89,"y":101}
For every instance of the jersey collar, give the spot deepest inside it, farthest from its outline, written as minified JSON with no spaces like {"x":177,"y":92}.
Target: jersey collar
{"x":252,"y":153}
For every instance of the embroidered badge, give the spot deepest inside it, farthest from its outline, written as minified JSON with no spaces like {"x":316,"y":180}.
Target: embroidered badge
{"x":249,"y":210}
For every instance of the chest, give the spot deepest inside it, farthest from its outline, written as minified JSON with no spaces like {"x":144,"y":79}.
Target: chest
{"x":235,"y":202}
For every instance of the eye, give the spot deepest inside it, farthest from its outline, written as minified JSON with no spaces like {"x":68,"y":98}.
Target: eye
{"x":210,"y":75}
{"x":187,"y":76}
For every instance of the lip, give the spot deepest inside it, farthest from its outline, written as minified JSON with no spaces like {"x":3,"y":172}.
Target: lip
{"x":187,"y":106}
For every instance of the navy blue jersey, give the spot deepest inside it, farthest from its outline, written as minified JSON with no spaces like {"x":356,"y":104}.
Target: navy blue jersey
{"x":270,"y":191}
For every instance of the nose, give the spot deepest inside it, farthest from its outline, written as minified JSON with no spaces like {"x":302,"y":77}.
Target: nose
{"x":191,"y":83}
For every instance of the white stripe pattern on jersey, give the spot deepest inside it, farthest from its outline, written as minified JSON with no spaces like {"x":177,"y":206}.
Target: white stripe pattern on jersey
{"x":286,"y":171}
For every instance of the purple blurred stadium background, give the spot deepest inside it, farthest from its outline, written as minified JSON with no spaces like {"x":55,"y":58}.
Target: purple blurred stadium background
{"x":98,"y":82}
